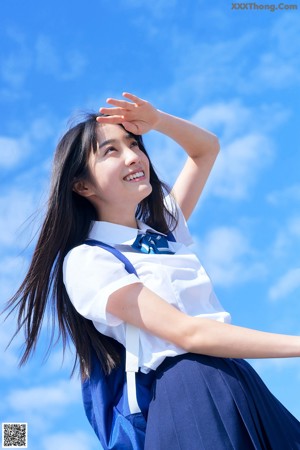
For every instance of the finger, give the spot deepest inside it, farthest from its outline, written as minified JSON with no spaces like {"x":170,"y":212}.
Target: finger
{"x":134,"y":98}
{"x":110,"y":119}
{"x":131,"y":127}
{"x":112,"y":111}
{"x":120,"y":103}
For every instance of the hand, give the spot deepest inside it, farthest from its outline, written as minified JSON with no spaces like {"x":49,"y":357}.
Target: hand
{"x":137,"y":116}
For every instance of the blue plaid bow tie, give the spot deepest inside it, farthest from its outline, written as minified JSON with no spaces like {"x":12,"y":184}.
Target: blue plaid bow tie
{"x":152,"y":243}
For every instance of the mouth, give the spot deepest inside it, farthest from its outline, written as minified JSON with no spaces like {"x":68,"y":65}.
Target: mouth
{"x":135,"y":176}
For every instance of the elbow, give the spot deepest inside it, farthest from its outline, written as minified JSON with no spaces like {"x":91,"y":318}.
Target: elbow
{"x":215,"y":145}
{"x":198,"y":335}
{"x":189,"y":336}
{"x":187,"y":344}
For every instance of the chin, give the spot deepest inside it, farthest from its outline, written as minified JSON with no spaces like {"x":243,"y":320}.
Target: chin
{"x":145,"y":191}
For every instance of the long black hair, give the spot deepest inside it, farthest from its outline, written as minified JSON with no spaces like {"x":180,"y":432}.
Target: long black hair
{"x":67,"y":222}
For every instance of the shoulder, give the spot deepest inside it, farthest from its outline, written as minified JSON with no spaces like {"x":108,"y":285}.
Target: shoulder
{"x":181,"y":232}
{"x":90,"y":275}
{"x":83,"y":253}
{"x":84,"y":260}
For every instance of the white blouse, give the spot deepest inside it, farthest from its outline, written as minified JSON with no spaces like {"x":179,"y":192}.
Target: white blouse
{"x":92,"y":274}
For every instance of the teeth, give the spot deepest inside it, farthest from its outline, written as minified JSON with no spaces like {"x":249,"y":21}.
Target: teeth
{"x":134,"y":176}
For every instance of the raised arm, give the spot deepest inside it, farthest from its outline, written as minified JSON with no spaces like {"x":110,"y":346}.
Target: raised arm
{"x":139,"y":116}
{"x":144,"y":309}
{"x":202,"y":148}
{"x":141,"y":307}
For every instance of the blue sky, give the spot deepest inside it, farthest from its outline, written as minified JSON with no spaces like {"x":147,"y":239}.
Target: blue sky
{"x":234,"y":71}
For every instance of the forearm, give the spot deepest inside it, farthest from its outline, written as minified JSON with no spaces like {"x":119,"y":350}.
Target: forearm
{"x":144,"y":309}
{"x":196,"y":141}
{"x":225,"y":340}
{"x":140,"y":116}
{"x":202,"y":148}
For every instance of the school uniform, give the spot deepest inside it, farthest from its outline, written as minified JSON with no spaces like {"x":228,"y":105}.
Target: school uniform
{"x":199,"y":402}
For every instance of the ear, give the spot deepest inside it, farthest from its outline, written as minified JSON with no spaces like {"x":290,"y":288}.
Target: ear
{"x":83,"y":188}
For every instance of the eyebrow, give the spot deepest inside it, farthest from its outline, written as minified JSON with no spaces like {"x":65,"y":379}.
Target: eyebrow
{"x":112,"y":141}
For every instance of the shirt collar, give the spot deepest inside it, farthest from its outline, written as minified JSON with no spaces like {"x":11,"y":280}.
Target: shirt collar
{"x":112,"y":233}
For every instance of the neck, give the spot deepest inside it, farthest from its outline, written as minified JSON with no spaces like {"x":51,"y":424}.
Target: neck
{"x":125,"y":223}
{"x":121,"y":213}
{"x":127,"y":220}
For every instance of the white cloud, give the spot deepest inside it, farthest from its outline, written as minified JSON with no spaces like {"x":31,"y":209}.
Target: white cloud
{"x":16,"y":207}
{"x":277,"y":364}
{"x":53,"y":365}
{"x":280,"y":67}
{"x":59,"y":361}
{"x":294,"y":226}
{"x":41,"y":128}
{"x":286,"y":31}
{"x":8,"y":358}
{"x":275,"y":71}
{"x":12,"y":150}
{"x":24,"y":194}
{"x":247,"y":147}
{"x":51,"y":60}
{"x":11,"y":270}
{"x":14,"y":69}
{"x":287,"y":240}
{"x":165,"y":155}
{"x":239,"y":164}
{"x":45,"y":57}
{"x":158,"y":9}
{"x":206,"y":68}
{"x":234,"y":118}
{"x":16,"y":64}
{"x":284,"y":196}
{"x":44,"y":403}
{"x":281,"y":244}
{"x":286,"y":285}
{"x":16,"y":150}
{"x":68,"y":441}
{"x":231,"y":117}
{"x":228,"y":256}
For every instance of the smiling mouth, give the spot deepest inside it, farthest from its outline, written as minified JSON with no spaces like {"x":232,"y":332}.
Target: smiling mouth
{"x":135,"y":176}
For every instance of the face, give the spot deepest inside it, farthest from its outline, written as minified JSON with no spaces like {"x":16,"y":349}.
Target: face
{"x":120,"y":176}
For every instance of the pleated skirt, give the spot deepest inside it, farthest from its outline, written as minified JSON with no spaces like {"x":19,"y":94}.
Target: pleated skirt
{"x":207,"y":403}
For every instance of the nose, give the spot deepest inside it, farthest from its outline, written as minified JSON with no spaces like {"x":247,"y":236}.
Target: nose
{"x":131,"y":156}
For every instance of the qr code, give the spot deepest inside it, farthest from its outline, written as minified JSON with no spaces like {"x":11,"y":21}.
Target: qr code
{"x":14,"y":435}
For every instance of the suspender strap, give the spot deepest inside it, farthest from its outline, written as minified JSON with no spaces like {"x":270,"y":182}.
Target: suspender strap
{"x":132,"y":334}
{"x":171,"y":237}
{"x":132,"y":366}
{"x":128,"y":266}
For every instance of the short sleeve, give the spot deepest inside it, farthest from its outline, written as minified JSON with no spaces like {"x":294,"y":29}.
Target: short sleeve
{"x":91,"y":275}
{"x":181,"y":232}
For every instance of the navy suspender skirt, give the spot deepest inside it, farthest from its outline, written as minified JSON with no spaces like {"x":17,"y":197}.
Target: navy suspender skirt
{"x":208,"y":403}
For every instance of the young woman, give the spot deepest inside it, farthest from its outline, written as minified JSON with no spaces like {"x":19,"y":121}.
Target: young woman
{"x":105,"y":188}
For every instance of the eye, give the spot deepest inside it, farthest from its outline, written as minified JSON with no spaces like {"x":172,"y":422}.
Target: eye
{"x":134,"y":144}
{"x":109,"y":150}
